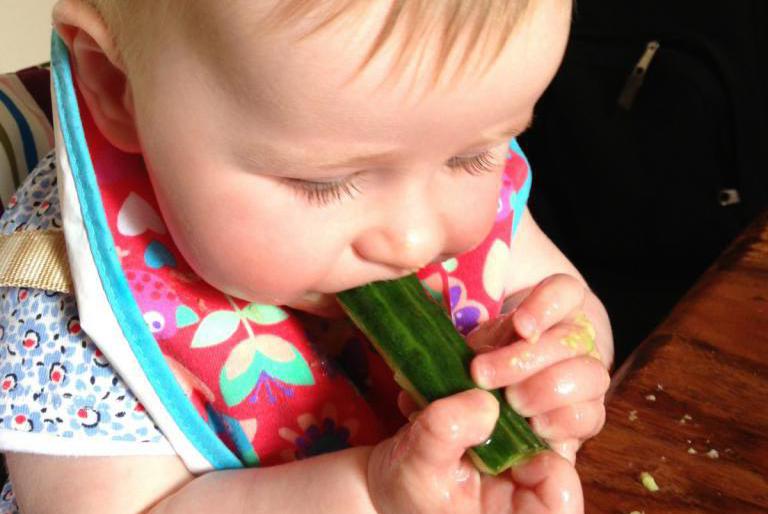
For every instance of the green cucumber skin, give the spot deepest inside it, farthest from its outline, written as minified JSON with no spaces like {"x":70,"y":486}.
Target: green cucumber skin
{"x":417,"y":339}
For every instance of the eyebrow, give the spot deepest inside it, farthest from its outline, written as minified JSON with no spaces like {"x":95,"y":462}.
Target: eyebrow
{"x":359,"y":160}
{"x":507,"y":133}
{"x":367,"y":159}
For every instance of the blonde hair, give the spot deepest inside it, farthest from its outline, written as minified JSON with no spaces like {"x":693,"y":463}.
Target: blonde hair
{"x":486,"y":25}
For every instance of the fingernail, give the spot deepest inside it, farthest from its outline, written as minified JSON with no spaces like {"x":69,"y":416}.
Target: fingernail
{"x":526,"y":323}
{"x":541,"y":426}
{"x":515,"y":402}
{"x":489,"y":409}
{"x":485,"y":376}
{"x":566,"y":449}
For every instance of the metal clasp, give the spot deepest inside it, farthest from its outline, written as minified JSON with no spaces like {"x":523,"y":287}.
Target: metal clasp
{"x":728,"y":197}
{"x":635,"y":79}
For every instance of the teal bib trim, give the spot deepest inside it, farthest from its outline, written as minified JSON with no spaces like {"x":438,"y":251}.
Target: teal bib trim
{"x":521,"y":200}
{"x":113,"y":281}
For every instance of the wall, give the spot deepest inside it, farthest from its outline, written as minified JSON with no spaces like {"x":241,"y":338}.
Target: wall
{"x":25,"y":32}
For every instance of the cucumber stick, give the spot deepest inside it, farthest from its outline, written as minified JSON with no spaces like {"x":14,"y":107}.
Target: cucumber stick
{"x":430,"y":360}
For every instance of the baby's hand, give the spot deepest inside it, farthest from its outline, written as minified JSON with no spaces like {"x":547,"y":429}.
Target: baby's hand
{"x":423,"y":469}
{"x":544,"y":355}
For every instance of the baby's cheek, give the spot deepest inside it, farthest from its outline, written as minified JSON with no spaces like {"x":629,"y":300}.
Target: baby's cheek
{"x":212,"y":245}
{"x":478,"y":217}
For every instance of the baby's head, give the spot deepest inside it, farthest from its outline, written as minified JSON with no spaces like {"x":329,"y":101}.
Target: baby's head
{"x":301,"y":147}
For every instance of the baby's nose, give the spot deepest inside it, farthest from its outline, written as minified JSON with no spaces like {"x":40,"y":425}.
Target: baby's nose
{"x":405,"y":243}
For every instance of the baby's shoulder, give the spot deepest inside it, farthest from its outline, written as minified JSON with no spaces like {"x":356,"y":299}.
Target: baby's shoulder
{"x":54,"y":381}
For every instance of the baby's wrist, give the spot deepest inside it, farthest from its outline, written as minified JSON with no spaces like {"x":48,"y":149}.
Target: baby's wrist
{"x":363,"y":499}
{"x":378,"y":456}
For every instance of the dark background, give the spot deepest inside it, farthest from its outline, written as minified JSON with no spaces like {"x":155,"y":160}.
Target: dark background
{"x":634,"y":194}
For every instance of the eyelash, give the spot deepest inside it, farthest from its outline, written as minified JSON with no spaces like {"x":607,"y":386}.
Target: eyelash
{"x":477,"y":164}
{"x":324,"y":193}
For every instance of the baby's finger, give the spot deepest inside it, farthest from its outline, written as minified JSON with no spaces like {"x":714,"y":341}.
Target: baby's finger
{"x":566,"y":449}
{"x":552,"y":300}
{"x":516,"y":362}
{"x":575,"y":380}
{"x":494,"y":333}
{"x":407,"y":404}
{"x":440,"y":434}
{"x":548,"y":484}
{"x":578,"y":420}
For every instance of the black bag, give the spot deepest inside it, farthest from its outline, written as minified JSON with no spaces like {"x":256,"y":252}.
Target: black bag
{"x":649,"y":148}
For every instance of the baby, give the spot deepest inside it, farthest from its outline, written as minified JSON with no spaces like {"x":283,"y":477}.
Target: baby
{"x":299,"y":148}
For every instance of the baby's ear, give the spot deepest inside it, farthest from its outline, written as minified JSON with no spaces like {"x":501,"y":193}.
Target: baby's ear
{"x":99,"y":71}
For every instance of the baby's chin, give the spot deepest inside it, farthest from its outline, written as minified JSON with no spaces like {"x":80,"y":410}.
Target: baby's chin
{"x":319,"y":304}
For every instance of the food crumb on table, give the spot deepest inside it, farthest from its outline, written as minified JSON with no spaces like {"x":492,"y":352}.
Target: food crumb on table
{"x":651,"y":397}
{"x":648,"y":481}
{"x":713,"y":454}
{"x":692,"y":451}
{"x":632,"y":415}
{"x":685,"y":419}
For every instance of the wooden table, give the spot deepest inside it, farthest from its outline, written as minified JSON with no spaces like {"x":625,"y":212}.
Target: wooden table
{"x":690,"y":406}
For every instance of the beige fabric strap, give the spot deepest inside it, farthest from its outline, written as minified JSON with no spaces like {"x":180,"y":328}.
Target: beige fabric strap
{"x":36,"y":259}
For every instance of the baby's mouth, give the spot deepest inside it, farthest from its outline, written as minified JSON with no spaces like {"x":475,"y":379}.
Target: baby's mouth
{"x":325,"y":304}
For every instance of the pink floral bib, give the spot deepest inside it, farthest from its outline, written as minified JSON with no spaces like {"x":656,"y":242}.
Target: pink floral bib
{"x":272,"y":384}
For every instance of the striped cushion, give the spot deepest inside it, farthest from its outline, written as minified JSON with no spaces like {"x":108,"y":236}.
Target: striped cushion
{"x":26,"y":134}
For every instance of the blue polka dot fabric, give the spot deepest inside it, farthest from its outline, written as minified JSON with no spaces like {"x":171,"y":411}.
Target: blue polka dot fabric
{"x":54,"y":382}
{"x":8,"y":500}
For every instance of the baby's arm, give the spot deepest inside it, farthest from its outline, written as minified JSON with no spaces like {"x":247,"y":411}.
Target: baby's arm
{"x":329,"y":483}
{"x":422,"y":469}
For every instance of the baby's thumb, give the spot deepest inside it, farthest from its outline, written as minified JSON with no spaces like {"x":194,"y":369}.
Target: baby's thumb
{"x":440,"y":434}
